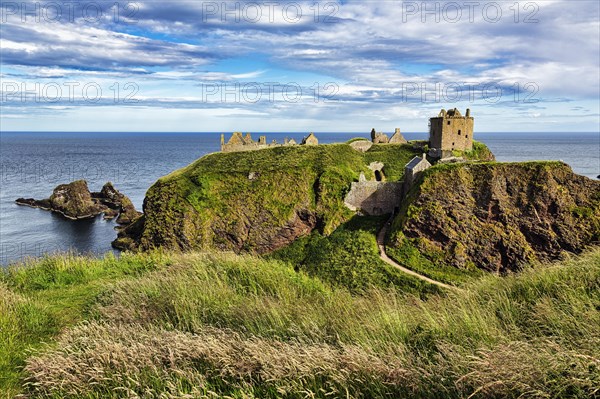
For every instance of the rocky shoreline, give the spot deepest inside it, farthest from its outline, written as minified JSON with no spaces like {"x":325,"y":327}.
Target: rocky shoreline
{"x":74,"y":201}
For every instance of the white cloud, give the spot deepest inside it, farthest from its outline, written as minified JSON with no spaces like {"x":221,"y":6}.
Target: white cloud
{"x":371,"y":50}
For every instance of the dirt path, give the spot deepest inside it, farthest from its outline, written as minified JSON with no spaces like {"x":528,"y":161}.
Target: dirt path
{"x":389,"y":261}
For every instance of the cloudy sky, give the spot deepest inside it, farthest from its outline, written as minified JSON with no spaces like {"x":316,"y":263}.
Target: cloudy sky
{"x":285,"y":66}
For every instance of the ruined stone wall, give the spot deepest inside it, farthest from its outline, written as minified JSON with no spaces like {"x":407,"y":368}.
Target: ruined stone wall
{"x":239,"y":142}
{"x":245,"y":147}
{"x":373,"y":197}
{"x":361,"y":145}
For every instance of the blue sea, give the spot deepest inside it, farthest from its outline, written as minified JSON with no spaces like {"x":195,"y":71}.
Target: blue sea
{"x":32,"y":164}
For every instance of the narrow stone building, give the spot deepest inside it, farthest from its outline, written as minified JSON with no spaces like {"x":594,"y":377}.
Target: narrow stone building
{"x":413,"y":169}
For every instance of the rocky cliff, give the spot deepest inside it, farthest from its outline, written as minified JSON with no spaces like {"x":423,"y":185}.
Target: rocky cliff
{"x":257,"y":201}
{"x":467,"y":216}
{"x":496,"y":216}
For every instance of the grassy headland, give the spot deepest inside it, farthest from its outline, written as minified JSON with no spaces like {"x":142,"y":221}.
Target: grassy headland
{"x":461,"y":219}
{"x":259,"y":201}
{"x":322,"y":316}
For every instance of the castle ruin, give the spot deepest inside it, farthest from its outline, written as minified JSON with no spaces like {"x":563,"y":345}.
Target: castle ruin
{"x":374,"y":197}
{"x":450,"y":131}
{"x":240,"y":142}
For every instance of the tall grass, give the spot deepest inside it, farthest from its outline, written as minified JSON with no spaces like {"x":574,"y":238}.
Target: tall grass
{"x":229,"y":326}
{"x":39,"y":298}
{"x":21,"y":320}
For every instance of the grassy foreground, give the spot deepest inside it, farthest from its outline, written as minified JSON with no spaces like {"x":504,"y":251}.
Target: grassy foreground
{"x":160,"y":325}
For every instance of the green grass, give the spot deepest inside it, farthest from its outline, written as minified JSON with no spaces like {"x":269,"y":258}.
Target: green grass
{"x":171,"y":325}
{"x":394,"y":157}
{"x":429,"y":262}
{"x":40,"y":298}
{"x":352,"y":140}
{"x":480,"y":152}
{"x":349,"y":257}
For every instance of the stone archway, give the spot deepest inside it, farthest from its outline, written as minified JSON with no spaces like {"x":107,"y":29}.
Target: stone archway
{"x":377,"y":168}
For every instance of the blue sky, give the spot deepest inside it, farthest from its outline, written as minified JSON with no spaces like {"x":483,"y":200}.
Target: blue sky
{"x":286,"y":66}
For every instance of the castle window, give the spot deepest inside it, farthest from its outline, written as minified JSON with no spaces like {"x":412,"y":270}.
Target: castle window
{"x":452,"y":145}
{"x":459,"y":132}
{"x":448,"y":122}
{"x":466,"y":136}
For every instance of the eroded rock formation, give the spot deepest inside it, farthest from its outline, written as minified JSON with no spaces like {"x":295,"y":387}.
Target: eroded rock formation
{"x":498,"y":216}
{"x":75,"y":201}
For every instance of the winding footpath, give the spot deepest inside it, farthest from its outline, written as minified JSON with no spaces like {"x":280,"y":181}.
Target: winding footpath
{"x":391,"y":262}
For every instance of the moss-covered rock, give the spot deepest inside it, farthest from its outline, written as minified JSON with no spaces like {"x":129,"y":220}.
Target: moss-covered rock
{"x":117,"y":204}
{"x":257,"y":201}
{"x":495,"y":216}
{"x":72,"y":200}
{"x":480,"y":152}
{"x":75,"y":201}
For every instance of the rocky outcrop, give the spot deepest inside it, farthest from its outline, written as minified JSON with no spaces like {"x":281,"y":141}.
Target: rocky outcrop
{"x":114,"y":200}
{"x":361,"y":145}
{"x":498,"y":216}
{"x":170,"y":221}
{"x":75,"y":201}
{"x":263,"y":200}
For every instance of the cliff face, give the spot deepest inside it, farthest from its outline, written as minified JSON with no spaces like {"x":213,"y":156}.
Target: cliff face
{"x":497,"y":216}
{"x":256,"y":201}
{"x":463,"y":217}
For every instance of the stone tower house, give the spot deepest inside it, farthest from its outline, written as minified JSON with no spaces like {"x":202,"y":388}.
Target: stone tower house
{"x":451,"y":131}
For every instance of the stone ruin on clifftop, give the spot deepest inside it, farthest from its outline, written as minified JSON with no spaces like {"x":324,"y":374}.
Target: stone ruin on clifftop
{"x":449,"y":132}
{"x":239,"y":142}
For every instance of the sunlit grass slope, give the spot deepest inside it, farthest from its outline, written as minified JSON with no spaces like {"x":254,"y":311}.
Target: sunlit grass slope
{"x":219,"y":325}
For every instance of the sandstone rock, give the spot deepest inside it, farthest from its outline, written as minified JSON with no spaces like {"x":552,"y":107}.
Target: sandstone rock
{"x":42,"y":204}
{"x":74,"y":201}
{"x":114,"y":200}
